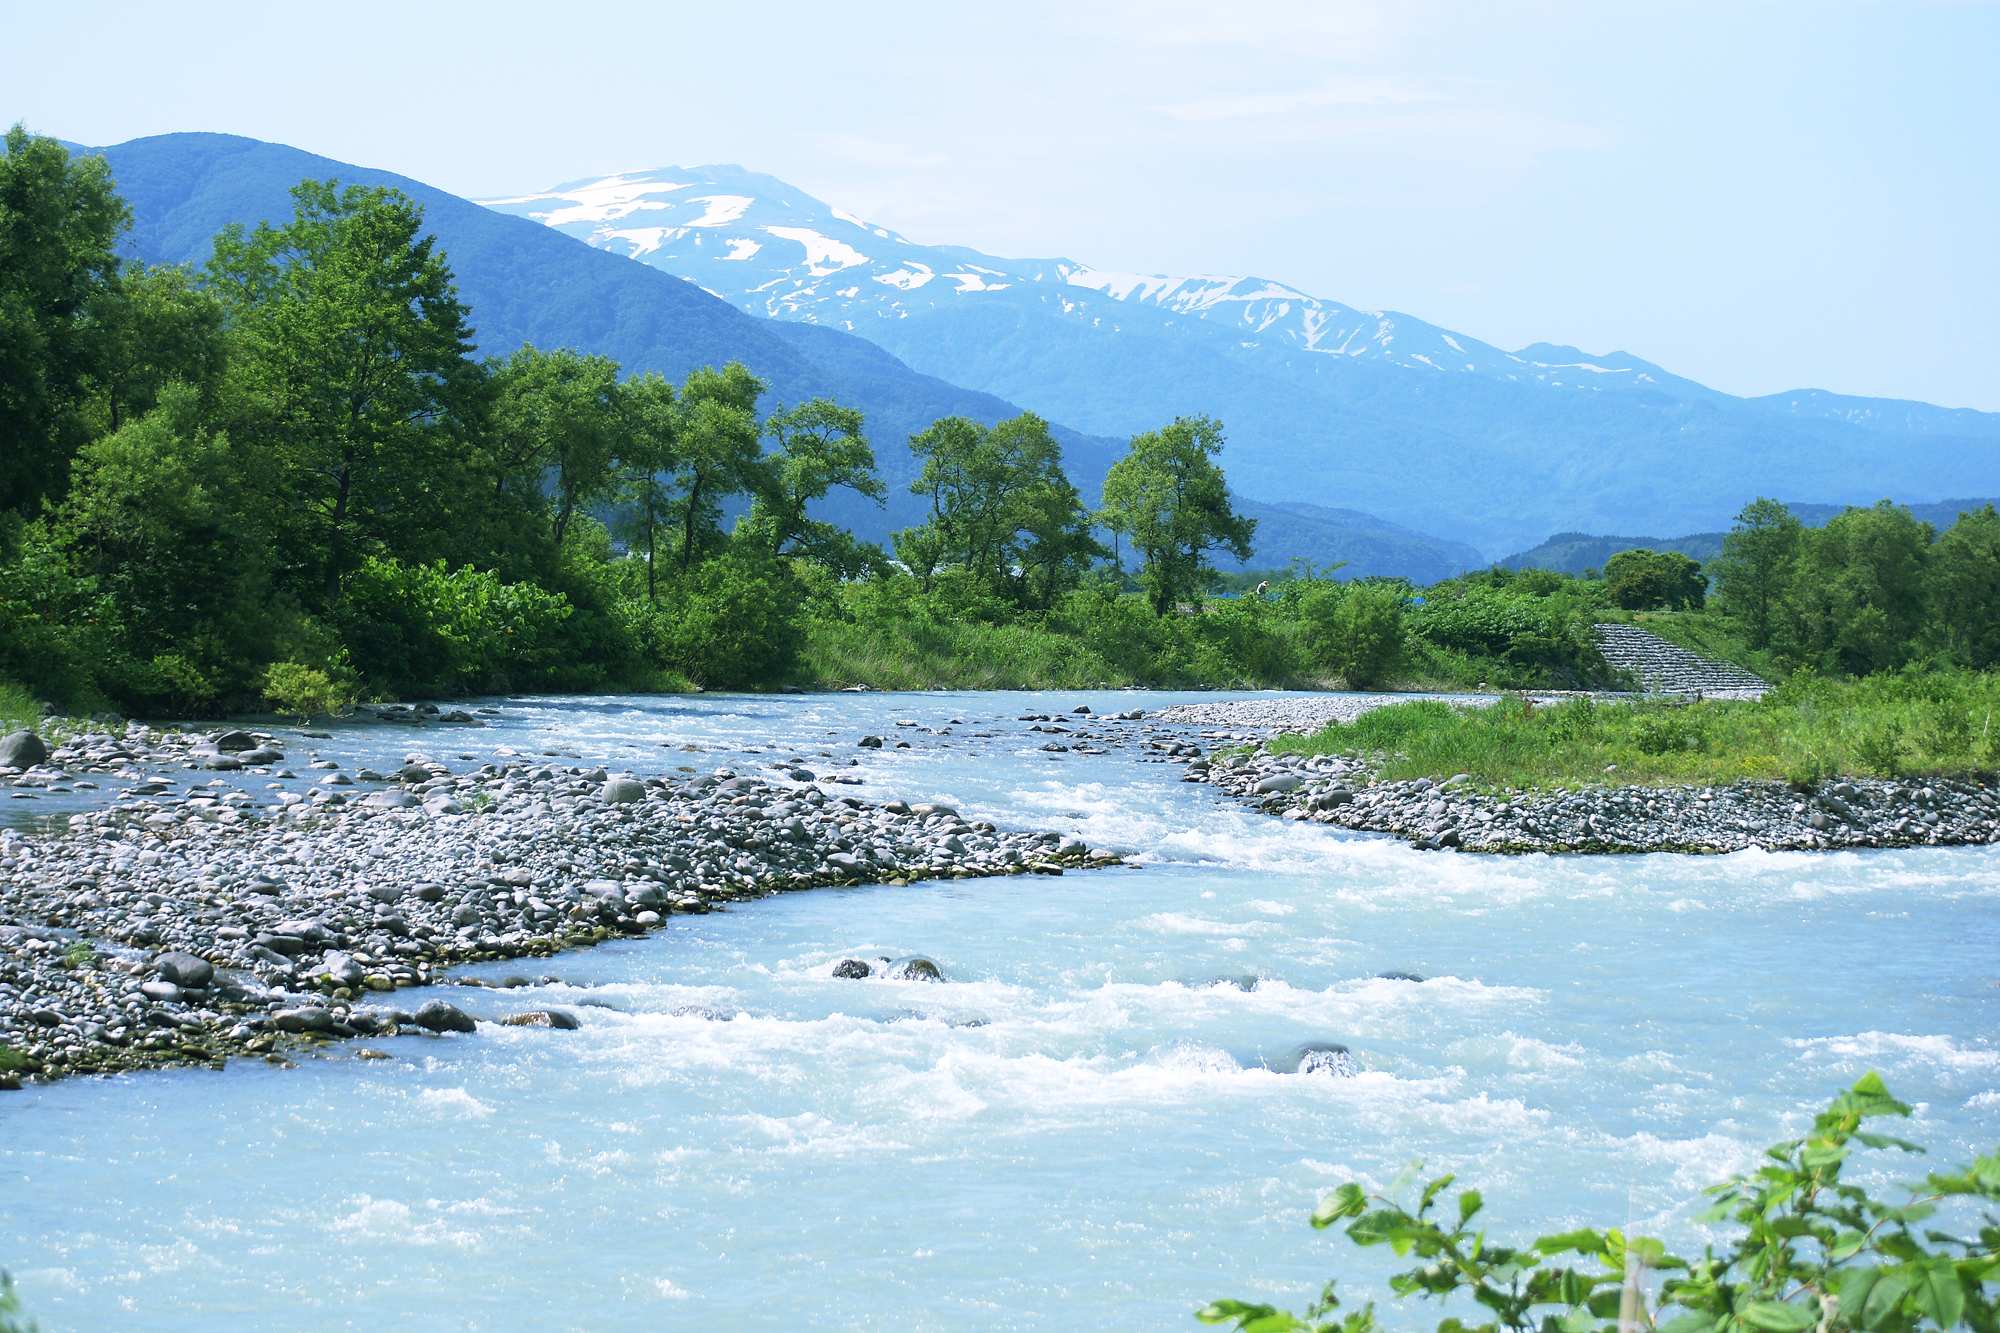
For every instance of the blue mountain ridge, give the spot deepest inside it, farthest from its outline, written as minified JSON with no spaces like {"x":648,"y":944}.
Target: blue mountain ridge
{"x":1324,"y":403}
{"x":528,"y":284}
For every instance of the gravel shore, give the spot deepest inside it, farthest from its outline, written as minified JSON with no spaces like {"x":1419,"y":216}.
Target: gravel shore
{"x":1342,"y":790}
{"x":184,"y":929}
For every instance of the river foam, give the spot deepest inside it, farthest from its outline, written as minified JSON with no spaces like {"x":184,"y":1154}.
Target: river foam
{"x":1079,"y":1126}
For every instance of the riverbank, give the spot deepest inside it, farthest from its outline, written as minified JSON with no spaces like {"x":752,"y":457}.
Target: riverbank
{"x":1346,"y":789}
{"x":174,"y":929}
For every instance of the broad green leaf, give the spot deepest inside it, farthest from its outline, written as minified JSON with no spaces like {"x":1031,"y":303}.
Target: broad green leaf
{"x":1937,"y":1292}
{"x":1347,"y":1201}
{"x":1432,"y":1190}
{"x":1405,"y":1176}
{"x":1584,"y":1241}
{"x":1469,"y":1203}
{"x":1778,"y":1316}
{"x":1845,"y":1246}
{"x":1883,"y":1298}
{"x":1692,"y":1321}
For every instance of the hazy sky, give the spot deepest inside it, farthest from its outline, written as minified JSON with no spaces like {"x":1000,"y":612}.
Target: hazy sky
{"x":1761,"y":196}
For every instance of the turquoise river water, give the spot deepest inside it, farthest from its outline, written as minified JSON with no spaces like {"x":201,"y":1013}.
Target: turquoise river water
{"x":1076,"y":1131}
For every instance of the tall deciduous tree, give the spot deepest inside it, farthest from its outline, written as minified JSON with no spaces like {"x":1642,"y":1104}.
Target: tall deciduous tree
{"x":1170,"y":500}
{"x":1001,"y":508}
{"x":1965,"y":589}
{"x":1755,"y":567}
{"x":648,"y":437}
{"x":820,"y":446}
{"x":556,"y":420}
{"x":1857,"y":600}
{"x":718,"y":454}
{"x":59,"y":220}
{"x":352,"y":333}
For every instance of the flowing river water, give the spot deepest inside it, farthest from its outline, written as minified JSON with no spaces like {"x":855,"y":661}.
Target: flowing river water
{"x":1077,"y":1130}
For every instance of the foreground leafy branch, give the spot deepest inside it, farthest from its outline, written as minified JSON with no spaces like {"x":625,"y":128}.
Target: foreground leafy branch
{"x":1814,"y":1253}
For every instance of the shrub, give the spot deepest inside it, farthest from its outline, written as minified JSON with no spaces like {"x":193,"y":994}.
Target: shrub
{"x":1814,"y":1252}
{"x":731,"y":621}
{"x":306,"y":692}
{"x":1356,"y":630}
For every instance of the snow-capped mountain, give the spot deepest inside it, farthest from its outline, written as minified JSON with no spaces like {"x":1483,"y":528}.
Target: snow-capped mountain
{"x":1324,"y":404}
{"x":776,"y":251}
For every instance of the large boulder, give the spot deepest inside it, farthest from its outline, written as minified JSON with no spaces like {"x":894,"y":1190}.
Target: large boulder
{"x":441,"y":1017}
{"x":184,"y":969}
{"x":22,"y":749}
{"x":236,"y":740}
{"x":623,"y":791}
{"x":1279,"y":782}
{"x":543,"y":1018}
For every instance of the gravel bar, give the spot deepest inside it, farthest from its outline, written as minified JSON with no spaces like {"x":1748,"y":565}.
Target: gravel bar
{"x":1341,"y":790}
{"x":185,"y":929}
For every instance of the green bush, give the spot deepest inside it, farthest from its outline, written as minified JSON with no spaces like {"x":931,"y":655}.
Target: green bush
{"x":729,"y":622}
{"x":433,"y":629}
{"x":1357,"y":630}
{"x":1812,"y":1252}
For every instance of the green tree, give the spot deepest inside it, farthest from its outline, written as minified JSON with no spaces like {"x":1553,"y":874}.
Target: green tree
{"x":151,"y":327}
{"x":1168,"y":497}
{"x":556,"y":420}
{"x":352,"y":334}
{"x":59,"y":221}
{"x":1857,"y":600}
{"x":164,"y":520}
{"x":718,"y":454}
{"x":1754,"y":570}
{"x":820,"y":446}
{"x":1643,"y":580}
{"x":1001,"y":509}
{"x":648,"y":438}
{"x":1965,"y":590}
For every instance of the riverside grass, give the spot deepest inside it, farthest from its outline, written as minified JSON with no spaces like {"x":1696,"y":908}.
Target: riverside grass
{"x":1901,"y":726}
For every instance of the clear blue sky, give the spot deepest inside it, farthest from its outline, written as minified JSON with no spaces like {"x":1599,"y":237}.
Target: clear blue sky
{"x":1761,"y":196}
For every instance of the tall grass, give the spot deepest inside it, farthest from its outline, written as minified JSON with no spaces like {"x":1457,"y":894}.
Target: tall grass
{"x":1890,"y":726}
{"x":18,"y":708}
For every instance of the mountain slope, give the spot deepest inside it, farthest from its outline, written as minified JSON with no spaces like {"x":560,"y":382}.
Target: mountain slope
{"x":527,"y":283}
{"x":1323,"y":402}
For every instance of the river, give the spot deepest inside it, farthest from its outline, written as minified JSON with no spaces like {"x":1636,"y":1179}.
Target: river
{"x":1076,"y":1130}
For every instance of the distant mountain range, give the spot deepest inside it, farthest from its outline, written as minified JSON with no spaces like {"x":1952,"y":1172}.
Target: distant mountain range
{"x":1574,"y":552}
{"x":526,"y":283}
{"x":1372,"y":436}
{"x":1324,"y":404}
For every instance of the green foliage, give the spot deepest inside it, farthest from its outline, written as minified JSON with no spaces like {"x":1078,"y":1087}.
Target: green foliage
{"x":59,"y":221}
{"x":1537,"y":640}
{"x":730,"y":622}
{"x":1667,"y":733}
{"x":1002,"y":511}
{"x":1811,"y":728}
{"x":1857,"y":598}
{"x":12,"y":1319}
{"x":307,"y":692}
{"x":350,"y":339}
{"x":432,"y":629}
{"x":556,"y":416}
{"x":1814,"y":1251}
{"x":1170,"y":500}
{"x":715,"y":455}
{"x":1965,"y":590}
{"x":820,"y":446}
{"x":1356,"y":630}
{"x":1643,"y":580}
{"x":1755,"y":567}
